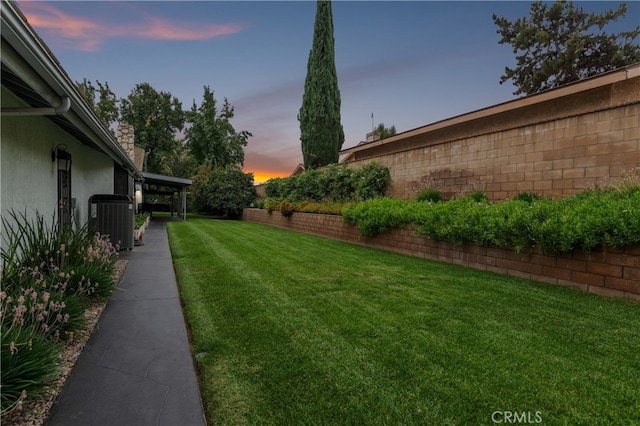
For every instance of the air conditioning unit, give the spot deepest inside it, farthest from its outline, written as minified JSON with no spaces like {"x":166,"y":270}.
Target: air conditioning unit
{"x":112,"y":215}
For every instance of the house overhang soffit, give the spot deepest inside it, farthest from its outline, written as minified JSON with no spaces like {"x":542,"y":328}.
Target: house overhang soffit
{"x":31,"y":72}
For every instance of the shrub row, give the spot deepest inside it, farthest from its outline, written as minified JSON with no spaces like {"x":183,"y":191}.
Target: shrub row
{"x":49,"y":278}
{"x":596,"y":216}
{"x":335,"y":183}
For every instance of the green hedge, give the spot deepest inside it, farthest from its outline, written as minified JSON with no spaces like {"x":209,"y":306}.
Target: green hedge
{"x":594,"y":217}
{"x":335,"y":183}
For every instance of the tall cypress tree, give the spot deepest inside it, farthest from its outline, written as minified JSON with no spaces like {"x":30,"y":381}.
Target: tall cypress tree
{"x":321,"y":132}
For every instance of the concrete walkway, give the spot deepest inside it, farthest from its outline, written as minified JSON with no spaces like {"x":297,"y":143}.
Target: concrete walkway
{"x":136,"y":368}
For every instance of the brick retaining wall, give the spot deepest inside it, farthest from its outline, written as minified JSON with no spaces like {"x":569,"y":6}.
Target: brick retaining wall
{"x":606,"y":271}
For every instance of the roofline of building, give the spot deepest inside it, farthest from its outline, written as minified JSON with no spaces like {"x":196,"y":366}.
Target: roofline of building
{"x":300,"y":166}
{"x":165,"y":180}
{"x":45,"y":70}
{"x":611,"y":77}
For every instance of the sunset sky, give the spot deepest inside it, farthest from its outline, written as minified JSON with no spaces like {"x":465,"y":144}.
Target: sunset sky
{"x":407,"y":63}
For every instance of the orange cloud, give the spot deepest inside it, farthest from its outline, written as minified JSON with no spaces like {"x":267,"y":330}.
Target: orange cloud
{"x":42,"y":15}
{"x":163,"y":29}
{"x":87,"y":35}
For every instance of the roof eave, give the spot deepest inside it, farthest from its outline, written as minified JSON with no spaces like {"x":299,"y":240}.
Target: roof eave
{"x":156,"y":179}
{"x":17,"y":32}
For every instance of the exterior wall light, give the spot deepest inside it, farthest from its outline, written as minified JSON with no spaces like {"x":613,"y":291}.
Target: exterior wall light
{"x":64,"y":158}
{"x":138,"y":193}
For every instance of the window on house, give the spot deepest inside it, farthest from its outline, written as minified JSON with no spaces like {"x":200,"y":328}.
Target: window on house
{"x":122,"y":182}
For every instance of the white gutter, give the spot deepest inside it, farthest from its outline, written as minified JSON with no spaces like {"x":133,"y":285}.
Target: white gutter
{"x":60,"y":109}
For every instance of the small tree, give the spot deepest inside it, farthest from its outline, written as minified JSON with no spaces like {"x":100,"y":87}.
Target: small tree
{"x":321,"y":133}
{"x":558,"y":44}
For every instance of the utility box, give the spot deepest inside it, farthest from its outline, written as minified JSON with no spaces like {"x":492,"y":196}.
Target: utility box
{"x":113,"y":215}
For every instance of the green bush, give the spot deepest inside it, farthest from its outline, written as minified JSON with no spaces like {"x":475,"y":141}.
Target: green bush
{"x":222,"y":192}
{"x":140,"y":219}
{"x":271,"y":205}
{"x":375,"y":216}
{"x":273,"y":188}
{"x":457,"y":221}
{"x":370,"y":181}
{"x":334,"y":184}
{"x":339,"y":183}
{"x":91,"y":280}
{"x":594,"y":217}
{"x":583,"y":221}
{"x":286,"y":208}
{"x":478,"y":197}
{"x":527,"y":197}
{"x":429,"y":195}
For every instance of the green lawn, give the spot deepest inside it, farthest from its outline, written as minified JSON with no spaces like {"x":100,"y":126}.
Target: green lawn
{"x":295,"y":329}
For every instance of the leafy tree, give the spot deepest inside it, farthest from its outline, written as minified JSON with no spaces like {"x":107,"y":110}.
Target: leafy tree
{"x":102,"y":99}
{"x":211,"y":138}
{"x":321,"y":133}
{"x":385,"y":132}
{"x":559,"y":44}
{"x":222,"y":191}
{"x":156,"y":117}
{"x":178,"y":161}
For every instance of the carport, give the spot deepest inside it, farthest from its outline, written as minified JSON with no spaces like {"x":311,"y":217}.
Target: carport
{"x":166,"y":185}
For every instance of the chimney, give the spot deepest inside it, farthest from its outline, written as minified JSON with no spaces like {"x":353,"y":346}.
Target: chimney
{"x":126,"y":136}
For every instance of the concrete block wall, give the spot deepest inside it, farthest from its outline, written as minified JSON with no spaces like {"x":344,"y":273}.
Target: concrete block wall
{"x":555,"y":143}
{"x":605,"y":271}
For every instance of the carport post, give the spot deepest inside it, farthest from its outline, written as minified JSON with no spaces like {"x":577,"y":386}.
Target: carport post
{"x":184,"y":203}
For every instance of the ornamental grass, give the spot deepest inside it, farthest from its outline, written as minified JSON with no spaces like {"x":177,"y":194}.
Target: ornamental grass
{"x":49,"y":278}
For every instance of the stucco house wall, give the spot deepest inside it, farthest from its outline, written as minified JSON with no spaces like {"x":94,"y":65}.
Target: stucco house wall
{"x":91,"y":174}
{"x":42,"y":110}
{"x":29,"y":176}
